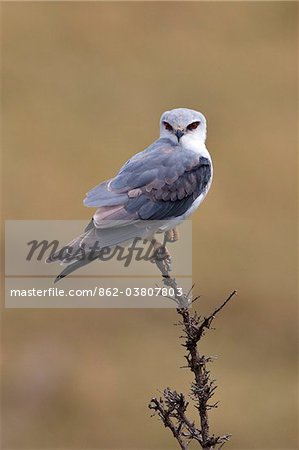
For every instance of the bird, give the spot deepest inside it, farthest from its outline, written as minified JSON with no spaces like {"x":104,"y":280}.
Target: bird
{"x":153,"y":192}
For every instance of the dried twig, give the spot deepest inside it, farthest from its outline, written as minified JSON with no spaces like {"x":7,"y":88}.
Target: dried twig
{"x":171,"y":408}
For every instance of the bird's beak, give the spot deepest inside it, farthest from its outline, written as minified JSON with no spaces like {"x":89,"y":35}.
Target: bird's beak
{"x":179,"y":134}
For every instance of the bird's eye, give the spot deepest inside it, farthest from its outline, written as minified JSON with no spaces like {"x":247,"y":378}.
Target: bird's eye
{"x":193,"y":125}
{"x":167,"y":126}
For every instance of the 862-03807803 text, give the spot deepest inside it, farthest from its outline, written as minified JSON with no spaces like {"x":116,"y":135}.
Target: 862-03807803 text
{"x":97,"y":291}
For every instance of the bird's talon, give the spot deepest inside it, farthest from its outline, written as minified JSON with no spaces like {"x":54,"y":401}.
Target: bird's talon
{"x":172,"y":235}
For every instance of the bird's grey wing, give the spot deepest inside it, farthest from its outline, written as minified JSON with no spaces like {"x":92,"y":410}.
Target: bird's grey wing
{"x":158,"y":184}
{"x":104,"y":195}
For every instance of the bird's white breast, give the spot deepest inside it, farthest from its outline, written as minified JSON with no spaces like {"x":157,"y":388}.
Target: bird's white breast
{"x":195,"y":144}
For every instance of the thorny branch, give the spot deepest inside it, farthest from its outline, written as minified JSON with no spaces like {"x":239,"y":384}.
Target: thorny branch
{"x":171,"y":407}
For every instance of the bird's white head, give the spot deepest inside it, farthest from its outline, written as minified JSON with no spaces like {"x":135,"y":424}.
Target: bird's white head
{"x":184,"y":126}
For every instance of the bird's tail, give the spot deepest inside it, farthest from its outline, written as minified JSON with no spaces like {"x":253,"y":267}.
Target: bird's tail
{"x":71,"y":268}
{"x":71,"y":252}
{"x":76,"y":253}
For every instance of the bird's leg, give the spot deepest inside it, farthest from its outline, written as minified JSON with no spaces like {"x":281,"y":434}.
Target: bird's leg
{"x":159,"y":251}
{"x":171,"y":235}
{"x":161,"y":257}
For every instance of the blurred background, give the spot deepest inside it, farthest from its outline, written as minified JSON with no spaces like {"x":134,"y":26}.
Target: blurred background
{"x":84,"y":85}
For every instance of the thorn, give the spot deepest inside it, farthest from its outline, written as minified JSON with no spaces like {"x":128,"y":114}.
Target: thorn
{"x":196,"y":298}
